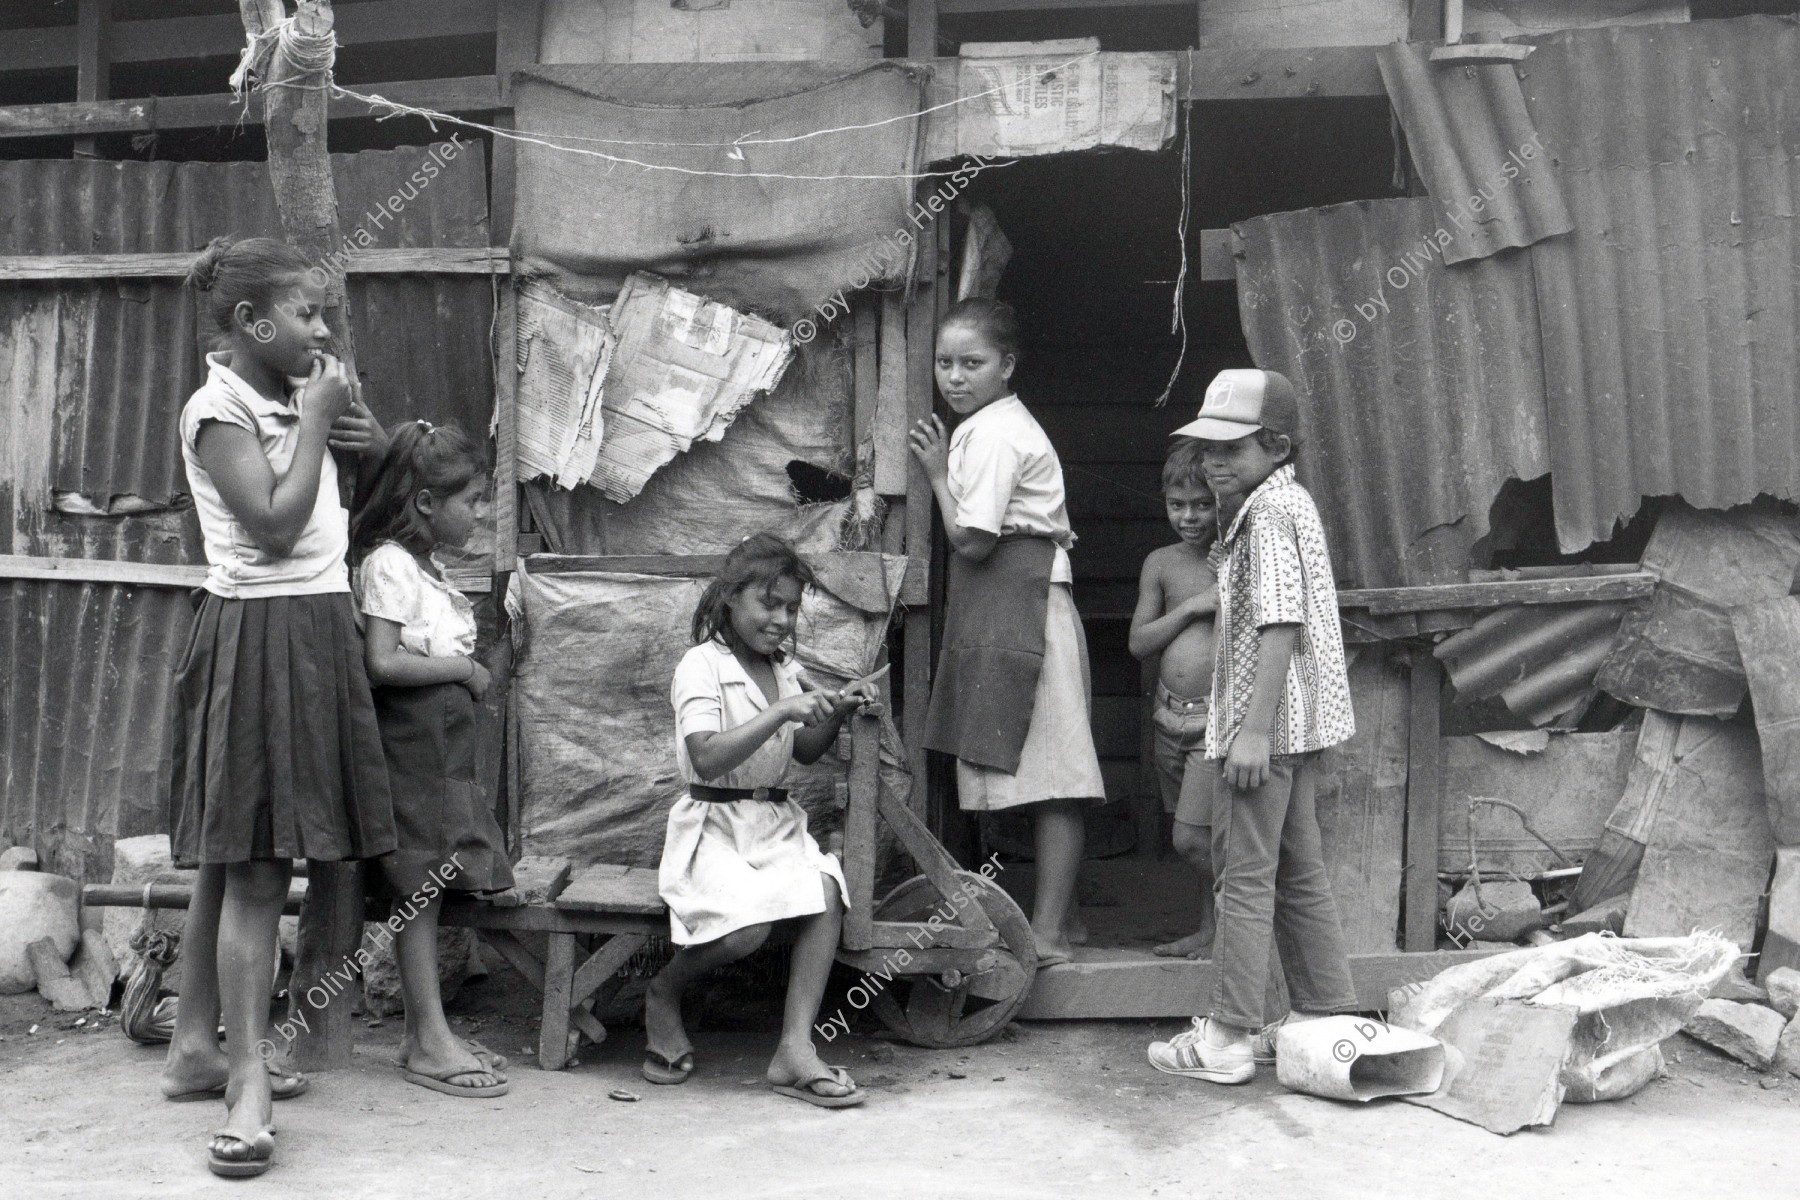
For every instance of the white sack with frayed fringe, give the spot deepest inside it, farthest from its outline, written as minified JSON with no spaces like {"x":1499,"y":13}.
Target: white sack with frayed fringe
{"x":1631,"y":993}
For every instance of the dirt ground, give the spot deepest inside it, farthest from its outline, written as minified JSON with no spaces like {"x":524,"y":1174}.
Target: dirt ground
{"x":1058,"y":1109}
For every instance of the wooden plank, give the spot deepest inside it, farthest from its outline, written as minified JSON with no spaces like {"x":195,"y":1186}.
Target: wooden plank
{"x":516,"y":42}
{"x":859,"y":831}
{"x":536,"y":880}
{"x":174,"y":575}
{"x":891,"y":423}
{"x":166,"y":39}
{"x":419,"y":260}
{"x":1768,"y":638}
{"x":517,"y":955}
{"x":919,"y":960}
{"x":457,"y":94}
{"x":553,"y":1025}
{"x":93,"y":59}
{"x":1362,"y":807}
{"x":603,"y":964}
{"x":331,"y":924}
{"x":507,"y":501}
{"x":608,"y":888}
{"x":94,"y":570}
{"x":865,"y":375}
{"x":1577,"y":589}
{"x":933,"y":860}
{"x":921,"y":28}
{"x":894,"y":935}
{"x":533,"y":918}
{"x":1103,"y":984}
{"x":1423,"y":788}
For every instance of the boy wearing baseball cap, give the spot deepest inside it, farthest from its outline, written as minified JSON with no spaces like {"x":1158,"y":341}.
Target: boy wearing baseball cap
{"x":1280,"y":695}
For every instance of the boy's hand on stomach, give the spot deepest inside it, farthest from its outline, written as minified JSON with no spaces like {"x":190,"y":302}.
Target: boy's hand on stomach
{"x":1247,"y":762}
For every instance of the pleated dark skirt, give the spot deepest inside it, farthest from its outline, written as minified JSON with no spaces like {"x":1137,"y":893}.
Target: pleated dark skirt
{"x":277,"y":753}
{"x":443,"y":819}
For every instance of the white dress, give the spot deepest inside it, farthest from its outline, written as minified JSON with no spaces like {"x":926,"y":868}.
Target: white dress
{"x":727,"y":866}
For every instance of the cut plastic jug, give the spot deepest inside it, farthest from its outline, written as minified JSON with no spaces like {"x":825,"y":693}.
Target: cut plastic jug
{"x":1357,"y":1058}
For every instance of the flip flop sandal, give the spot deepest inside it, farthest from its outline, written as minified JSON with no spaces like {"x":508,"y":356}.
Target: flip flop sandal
{"x":441,"y":1083}
{"x":282,"y":1086}
{"x":493,"y":1064}
{"x":802,"y":1089}
{"x":658,"y":1069}
{"x":259,"y":1153}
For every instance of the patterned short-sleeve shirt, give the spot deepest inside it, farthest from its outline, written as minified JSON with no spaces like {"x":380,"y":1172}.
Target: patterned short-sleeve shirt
{"x":1274,"y":569}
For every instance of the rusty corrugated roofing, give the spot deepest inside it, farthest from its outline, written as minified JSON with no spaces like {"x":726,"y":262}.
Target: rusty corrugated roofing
{"x":1478,"y":150}
{"x":1539,"y":660}
{"x":1669,"y":315}
{"x":1421,"y":387}
{"x":95,"y":375}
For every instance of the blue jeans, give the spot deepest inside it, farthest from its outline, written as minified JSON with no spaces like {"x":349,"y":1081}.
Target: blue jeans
{"x":1273,"y":893}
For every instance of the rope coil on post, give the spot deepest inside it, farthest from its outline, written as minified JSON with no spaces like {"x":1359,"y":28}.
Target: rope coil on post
{"x":306,"y":53}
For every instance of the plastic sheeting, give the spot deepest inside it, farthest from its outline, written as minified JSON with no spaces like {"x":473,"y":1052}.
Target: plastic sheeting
{"x":596,"y":733}
{"x":731,"y":189}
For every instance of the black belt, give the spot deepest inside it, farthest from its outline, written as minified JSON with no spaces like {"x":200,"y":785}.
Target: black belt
{"x":719,"y":795}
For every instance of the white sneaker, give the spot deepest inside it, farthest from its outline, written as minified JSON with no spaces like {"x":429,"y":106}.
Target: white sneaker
{"x":1263,"y":1041}
{"x":1189,"y":1054}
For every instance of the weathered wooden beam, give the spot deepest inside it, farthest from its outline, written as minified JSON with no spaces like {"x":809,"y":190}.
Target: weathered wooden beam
{"x":457,"y":94}
{"x":1574,"y":589}
{"x":921,"y":28}
{"x":1132,"y":984}
{"x":420,"y":260}
{"x":1424,"y":794}
{"x":859,"y":832}
{"x":93,"y":59}
{"x":165,"y":39}
{"x":516,"y":43}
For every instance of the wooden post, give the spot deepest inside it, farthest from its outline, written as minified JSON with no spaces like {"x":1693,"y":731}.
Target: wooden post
{"x":93,"y":61}
{"x":300,"y":170}
{"x":860,"y":831}
{"x":921,"y":316}
{"x":921,"y":28}
{"x":516,"y":40}
{"x":1424,"y":783}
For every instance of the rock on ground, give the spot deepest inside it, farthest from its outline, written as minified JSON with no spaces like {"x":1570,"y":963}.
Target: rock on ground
{"x":1749,"y":1033}
{"x":32,"y":906}
{"x":137,"y":861}
{"x":1787,"y":1051}
{"x":381,"y":979}
{"x":1784,"y":991}
{"x":18,"y":858}
{"x":1497,"y":911}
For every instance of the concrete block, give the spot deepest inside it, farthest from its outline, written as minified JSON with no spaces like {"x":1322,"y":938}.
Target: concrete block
{"x":1501,"y":910}
{"x":1784,"y":991}
{"x":34,"y":905}
{"x":1787,"y":1050}
{"x":136,"y":862}
{"x":1608,"y":916}
{"x":18,"y":858}
{"x":95,"y":966}
{"x":1749,"y":1033}
{"x":1781,"y":947}
{"x":54,"y":983}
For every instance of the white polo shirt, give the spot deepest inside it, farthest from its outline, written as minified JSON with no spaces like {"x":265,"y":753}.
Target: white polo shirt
{"x":239,"y":568}
{"x":1006,"y":479}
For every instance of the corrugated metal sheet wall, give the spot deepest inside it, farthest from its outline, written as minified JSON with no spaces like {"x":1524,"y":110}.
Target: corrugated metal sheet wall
{"x":92,"y":380}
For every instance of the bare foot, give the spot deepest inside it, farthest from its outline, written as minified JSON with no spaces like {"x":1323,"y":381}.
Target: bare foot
{"x":201,"y":1070}
{"x":663,"y":1031}
{"x":1195,"y":945}
{"x":1075,"y":929}
{"x":1052,"y":950}
{"x":792,"y":1064}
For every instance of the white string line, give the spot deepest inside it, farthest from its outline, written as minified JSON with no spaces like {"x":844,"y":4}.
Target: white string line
{"x":317,"y":60}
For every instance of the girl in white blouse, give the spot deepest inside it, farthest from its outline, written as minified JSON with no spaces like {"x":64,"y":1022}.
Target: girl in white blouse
{"x":737,"y":856}
{"x":420,"y":651}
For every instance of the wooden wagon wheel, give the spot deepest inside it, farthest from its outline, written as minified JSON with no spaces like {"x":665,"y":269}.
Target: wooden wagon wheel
{"x":971,"y":999}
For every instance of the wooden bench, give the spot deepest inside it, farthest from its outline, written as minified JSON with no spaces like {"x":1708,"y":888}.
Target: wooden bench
{"x":594,"y":920}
